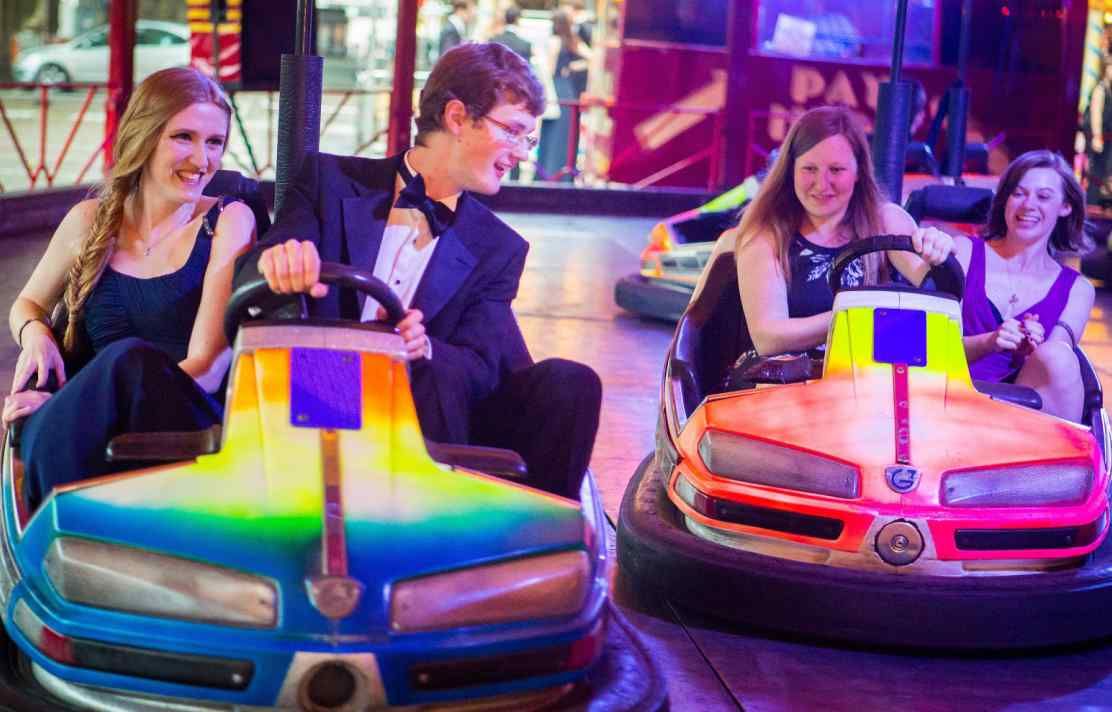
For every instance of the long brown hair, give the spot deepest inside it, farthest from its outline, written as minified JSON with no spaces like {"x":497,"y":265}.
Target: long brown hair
{"x":155,"y":101}
{"x":777,"y":209}
{"x":562,"y":27}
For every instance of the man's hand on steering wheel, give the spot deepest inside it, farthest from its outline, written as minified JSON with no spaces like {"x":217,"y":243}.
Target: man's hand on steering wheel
{"x":293,"y":267}
{"x":933,"y":245}
{"x":412,"y":331}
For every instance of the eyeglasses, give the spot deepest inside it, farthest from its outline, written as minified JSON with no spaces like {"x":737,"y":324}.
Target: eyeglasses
{"x":516,"y":135}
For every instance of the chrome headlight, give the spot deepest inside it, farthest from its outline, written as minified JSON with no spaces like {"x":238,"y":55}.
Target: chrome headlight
{"x":123,"y":578}
{"x":1035,"y":485}
{"x":760,"y":463}
{"x":536,"y":587}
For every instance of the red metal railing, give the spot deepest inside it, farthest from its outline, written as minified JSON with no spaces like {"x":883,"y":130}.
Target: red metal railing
{"x":47,"y":169}
{"x":42,"y":168}
{"x":43,"y":165}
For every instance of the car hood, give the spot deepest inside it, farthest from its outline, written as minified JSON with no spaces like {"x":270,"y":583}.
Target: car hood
{"x":258,"y":505}
{"x":851,"y":417}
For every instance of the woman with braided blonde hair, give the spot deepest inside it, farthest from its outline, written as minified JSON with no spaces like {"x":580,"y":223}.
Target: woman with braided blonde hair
{"x":144,"y":270}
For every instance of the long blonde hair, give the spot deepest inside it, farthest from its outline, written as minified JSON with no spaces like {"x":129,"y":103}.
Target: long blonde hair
{"x":777,"y":209}
{"x":155,"y":101}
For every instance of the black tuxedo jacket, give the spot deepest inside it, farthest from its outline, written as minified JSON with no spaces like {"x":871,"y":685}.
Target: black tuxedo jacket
{"x":516,"y":42}
{"x":449,"y":37}
{"x":341,"y":204}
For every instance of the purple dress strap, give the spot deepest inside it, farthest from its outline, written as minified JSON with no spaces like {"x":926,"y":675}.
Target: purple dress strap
{"x":979,"y":316}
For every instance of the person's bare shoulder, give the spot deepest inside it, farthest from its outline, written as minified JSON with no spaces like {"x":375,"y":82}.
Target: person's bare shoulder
{"x":235,"y":228}
{"x":963,"y":248}
{"x":895,"y":220}
{"x":77,"y":223}
{"x":1083,"y":292}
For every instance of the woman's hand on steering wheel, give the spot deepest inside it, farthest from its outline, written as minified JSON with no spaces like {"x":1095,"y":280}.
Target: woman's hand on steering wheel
{"x":40,"y":356}
{"x":933,"y":245}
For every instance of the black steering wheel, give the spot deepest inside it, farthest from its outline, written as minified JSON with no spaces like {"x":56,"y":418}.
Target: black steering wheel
{"x":257,"y":294}
{"x":948,"y":277}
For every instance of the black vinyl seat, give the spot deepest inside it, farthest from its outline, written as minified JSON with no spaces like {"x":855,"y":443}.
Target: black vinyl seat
{"x":711,"y":334}
{"x":236,"y":185}
{"x":952,"y":203}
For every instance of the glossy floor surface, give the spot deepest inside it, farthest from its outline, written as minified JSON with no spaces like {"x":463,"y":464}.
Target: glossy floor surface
{"x":566,"y":309}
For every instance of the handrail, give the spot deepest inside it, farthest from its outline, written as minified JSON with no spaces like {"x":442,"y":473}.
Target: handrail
{"x":42,"y":168}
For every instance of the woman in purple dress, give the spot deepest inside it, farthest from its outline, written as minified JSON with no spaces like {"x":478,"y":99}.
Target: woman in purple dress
{"x":1023,"y":311}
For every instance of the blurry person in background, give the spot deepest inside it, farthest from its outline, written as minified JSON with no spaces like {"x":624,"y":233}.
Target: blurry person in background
{"x":568,"y":58}
{"x":510,"y":35}
{"x":455,"y":31}
{"x":582,"y":21}
{"x":1096,"y":125}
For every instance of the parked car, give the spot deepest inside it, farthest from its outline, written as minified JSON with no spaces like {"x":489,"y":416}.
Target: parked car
{"x":158,"y":45}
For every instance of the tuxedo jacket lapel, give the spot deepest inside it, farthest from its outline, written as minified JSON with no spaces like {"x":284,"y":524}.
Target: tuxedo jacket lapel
{"x":449,"y":267}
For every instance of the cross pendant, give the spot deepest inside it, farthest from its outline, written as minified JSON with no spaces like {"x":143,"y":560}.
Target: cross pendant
{"x":1013,"y":300}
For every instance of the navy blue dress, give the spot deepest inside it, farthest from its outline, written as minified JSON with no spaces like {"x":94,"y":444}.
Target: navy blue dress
{"x":139,"y":330}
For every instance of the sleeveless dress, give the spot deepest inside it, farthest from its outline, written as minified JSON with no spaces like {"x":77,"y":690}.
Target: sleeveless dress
{"x":980,"y":316}
{"x":809,"y":293}
{"x":139,"y":329}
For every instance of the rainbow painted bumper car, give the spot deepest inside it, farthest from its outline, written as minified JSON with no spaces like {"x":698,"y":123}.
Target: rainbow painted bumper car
{"x":890,"y":501}
{"x":316,"y":554}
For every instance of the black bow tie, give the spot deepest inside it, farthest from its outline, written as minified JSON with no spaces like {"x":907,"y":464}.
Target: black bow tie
{"x":440,"y":217}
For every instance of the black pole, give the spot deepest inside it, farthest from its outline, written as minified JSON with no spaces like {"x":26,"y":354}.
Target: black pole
{"x":898,"y":41}
{"x":959,"y":102}
{"x":893,"y":118}
{"x":304,"y":43}
{"x":299,"y":98}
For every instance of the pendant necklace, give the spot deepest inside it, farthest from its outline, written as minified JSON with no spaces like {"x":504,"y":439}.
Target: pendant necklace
{"x":1013,"y":300}
{"x":149,"y":246}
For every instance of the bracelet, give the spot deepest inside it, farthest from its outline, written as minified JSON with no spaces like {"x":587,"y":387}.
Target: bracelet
{"x":19,"y":334}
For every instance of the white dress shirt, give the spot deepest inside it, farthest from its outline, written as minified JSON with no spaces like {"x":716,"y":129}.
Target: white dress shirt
{"x":406,"y":249}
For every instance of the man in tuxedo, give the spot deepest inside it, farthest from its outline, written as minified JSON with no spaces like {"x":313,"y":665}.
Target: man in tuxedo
{"x":454,"y":31}
{"x":411,"y":220}
{"x":509,"y":35}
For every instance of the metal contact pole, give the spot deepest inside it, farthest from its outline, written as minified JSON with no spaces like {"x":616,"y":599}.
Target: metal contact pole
{"x":299,"y":99}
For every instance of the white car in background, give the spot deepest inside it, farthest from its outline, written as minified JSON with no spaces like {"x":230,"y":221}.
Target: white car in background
{"x":85,"y":58}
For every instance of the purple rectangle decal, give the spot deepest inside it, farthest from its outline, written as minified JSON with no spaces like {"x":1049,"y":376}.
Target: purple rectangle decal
{"x":326,"y":389}
{"x":900,"y":336}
